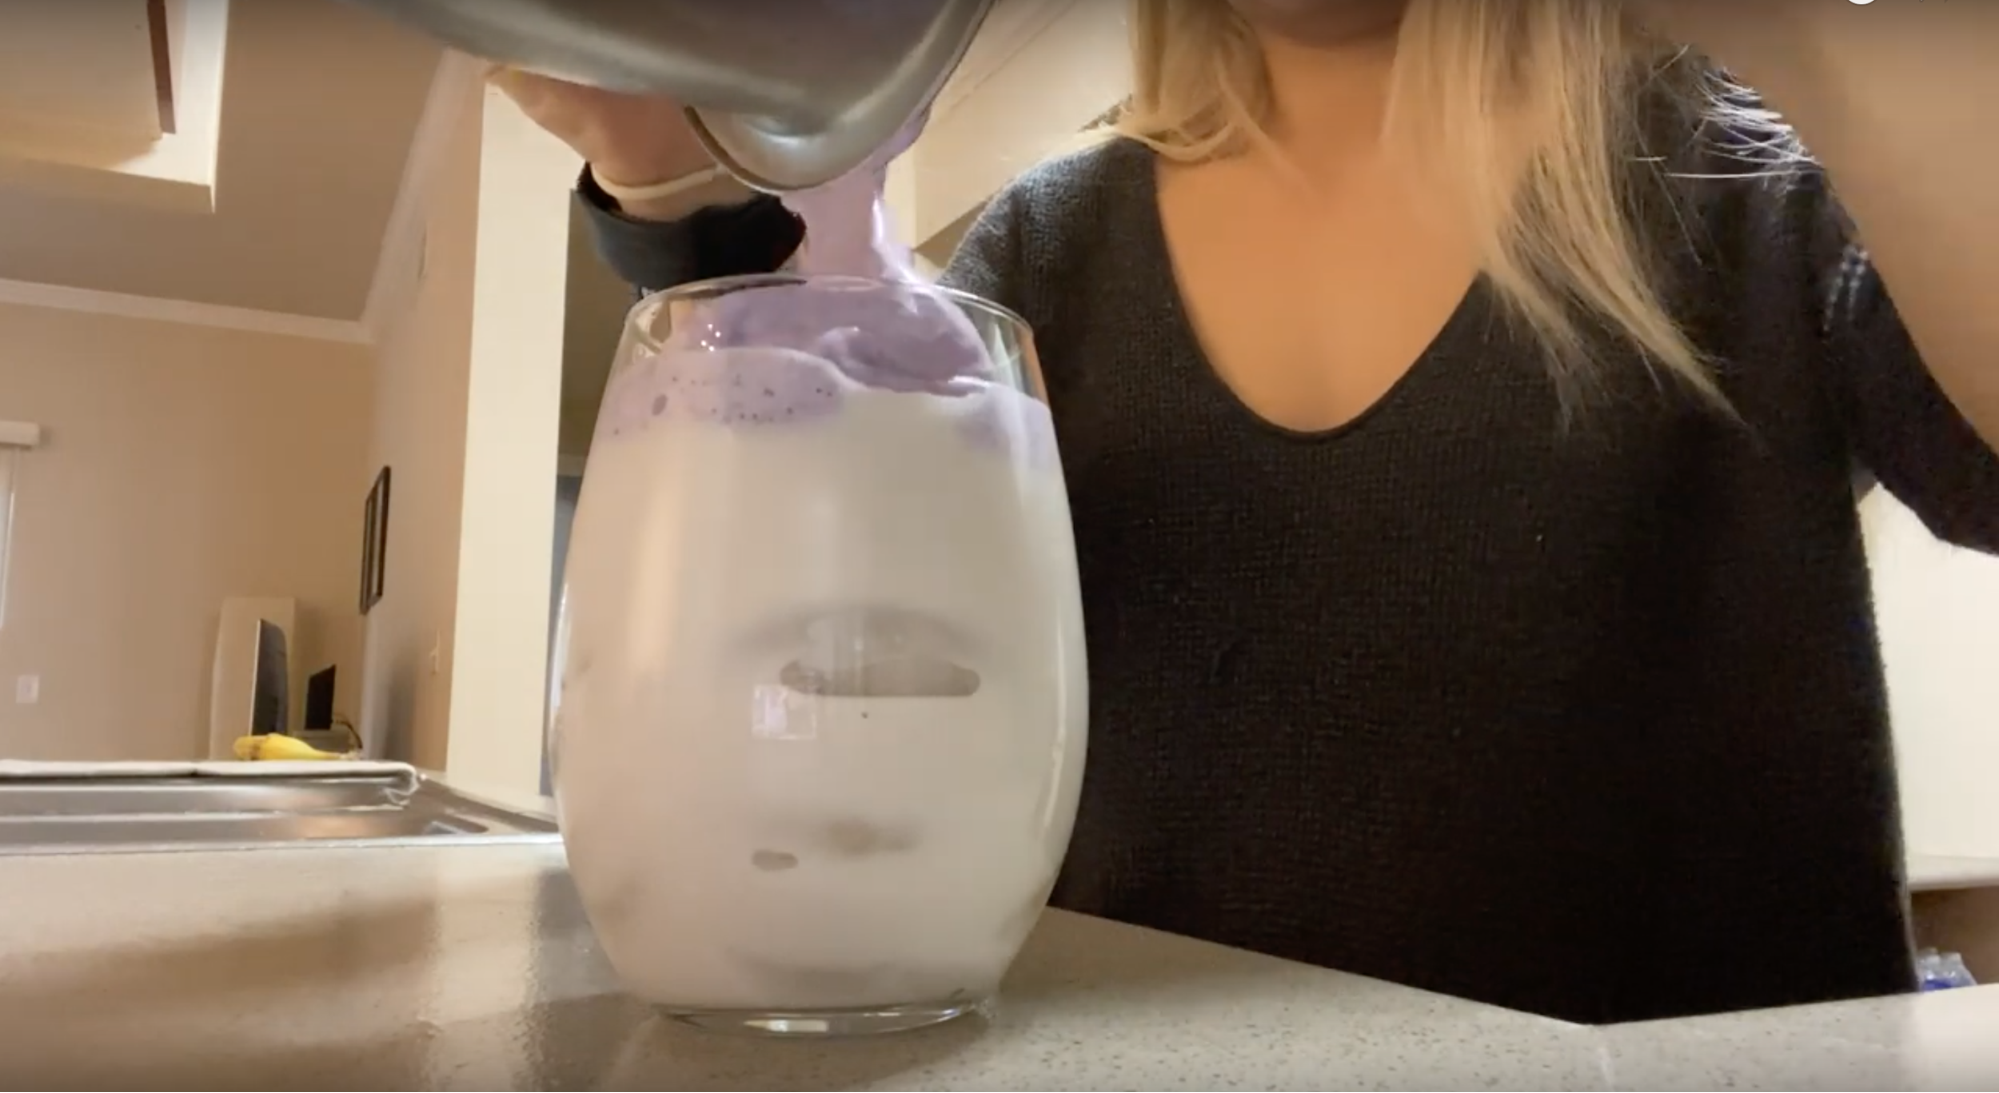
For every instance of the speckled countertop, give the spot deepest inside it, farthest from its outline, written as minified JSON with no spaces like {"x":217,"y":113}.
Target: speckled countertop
{"x":472,"y":968}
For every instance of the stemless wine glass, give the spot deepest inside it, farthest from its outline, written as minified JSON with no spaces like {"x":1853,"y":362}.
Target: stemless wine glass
{"x":820,"y":724}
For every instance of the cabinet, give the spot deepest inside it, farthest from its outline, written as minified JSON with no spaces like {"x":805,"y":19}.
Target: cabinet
{"x":1956,"y":905}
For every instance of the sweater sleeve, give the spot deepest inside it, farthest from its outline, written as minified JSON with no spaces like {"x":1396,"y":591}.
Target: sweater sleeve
{"x":989,"y":260}
{"x":1904,"y":430}
{"x":756,"y":236}
{"x":760,"y":235}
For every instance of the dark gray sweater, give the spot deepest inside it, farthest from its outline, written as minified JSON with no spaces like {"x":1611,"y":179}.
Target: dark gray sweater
{"x":1586,"y":720}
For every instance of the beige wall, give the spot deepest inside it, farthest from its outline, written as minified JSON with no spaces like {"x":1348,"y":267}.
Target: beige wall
{"x":597,"y":301}
{"x":1031,"y":106}
{"x":520,"y":274}
{"x":180,"y":465}
{"x":422,"y":367}
{"x":938,"y":249}
{"x":1938,"y":608}
{"x":467,"y":391}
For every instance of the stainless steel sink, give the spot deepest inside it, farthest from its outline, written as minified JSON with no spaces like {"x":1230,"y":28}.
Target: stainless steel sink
{"x":68,"y":815}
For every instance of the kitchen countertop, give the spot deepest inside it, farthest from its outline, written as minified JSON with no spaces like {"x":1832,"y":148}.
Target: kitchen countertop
{"x":1943,"y":872}
{"x":473,"y":968}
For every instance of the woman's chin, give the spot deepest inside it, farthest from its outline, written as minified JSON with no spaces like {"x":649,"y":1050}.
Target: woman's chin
{"x":1321,"y":22}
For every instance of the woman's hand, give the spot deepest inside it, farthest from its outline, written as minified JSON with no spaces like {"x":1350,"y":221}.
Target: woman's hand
{"x":628,"y":140}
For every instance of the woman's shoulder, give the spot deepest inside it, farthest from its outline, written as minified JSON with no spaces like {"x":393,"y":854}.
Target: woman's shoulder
{"x":1733,"y":207}
{"x":1045,"y":240}
{"x":1077,"y":199}
{"x":1734,"y":178}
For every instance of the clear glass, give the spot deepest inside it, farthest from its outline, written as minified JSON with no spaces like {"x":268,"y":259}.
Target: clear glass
{"x":819,"y":729}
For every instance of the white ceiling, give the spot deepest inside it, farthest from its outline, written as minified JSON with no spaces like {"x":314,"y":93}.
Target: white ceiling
{"x":293,"y":122}
{"x":80,"y":65}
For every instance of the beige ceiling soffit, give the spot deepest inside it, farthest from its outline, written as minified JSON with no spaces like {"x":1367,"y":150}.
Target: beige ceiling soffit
{"x":64,"y":298}
{"x":173,"y":171}
{"x":1066,"y":73}
{"x":31,"y":171}
{"x":1011,"y":25}
{"x":454,"y":90}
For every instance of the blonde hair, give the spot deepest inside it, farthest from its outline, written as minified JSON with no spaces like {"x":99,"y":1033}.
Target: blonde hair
{"x":1532,"y":106}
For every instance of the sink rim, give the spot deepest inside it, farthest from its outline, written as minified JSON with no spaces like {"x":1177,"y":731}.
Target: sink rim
{"x":422,"y":800}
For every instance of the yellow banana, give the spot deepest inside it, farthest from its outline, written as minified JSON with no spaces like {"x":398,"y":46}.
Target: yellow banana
{"x":277,"y":747}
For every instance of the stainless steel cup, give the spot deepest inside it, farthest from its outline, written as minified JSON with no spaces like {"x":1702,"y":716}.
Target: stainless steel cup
{"x":787,"y":94}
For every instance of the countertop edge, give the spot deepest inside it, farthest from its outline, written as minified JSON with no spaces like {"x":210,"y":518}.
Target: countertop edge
{"x":1945,"y":872}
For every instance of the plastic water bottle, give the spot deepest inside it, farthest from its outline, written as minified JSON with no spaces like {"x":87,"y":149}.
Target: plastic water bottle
{"x":1941,"y":971}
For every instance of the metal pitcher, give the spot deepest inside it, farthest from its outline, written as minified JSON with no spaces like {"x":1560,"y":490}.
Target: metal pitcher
{"x":786,"y":94}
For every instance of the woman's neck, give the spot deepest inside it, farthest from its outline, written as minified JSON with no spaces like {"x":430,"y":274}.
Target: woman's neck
{"x":1328,"y":98}
{"x":1330,"y":82}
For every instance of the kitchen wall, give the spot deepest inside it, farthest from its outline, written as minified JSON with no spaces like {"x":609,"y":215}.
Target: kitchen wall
{"x":1050,"y":71}
{"x":467,"y":391}
{"x":594,"y":318}
{"x":521,"y":271}
{"x":1938,"y":609}
{"x":938,"y":249}
{"x":180,"y":465}
{"x":422,"y":369}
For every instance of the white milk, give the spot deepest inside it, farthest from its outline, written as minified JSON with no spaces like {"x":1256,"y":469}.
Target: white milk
{"x":744,"y":840}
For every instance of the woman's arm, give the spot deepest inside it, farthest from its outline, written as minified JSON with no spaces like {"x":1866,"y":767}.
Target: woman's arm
{"x":1907,"y":429}
{"x":760,"y":235}
{"x":989,"y":260}
{"x":642,"y":147}
{"x":753,"y":236}
{"x":1900,"y":102}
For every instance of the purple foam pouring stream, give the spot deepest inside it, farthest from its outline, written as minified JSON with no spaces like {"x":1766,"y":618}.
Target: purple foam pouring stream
{"x":848,"y":227}
{"x":878,"y":332}
{"x":796,"y":349}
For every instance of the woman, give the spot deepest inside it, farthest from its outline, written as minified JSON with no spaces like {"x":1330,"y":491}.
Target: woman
{"x":1460,"y":404}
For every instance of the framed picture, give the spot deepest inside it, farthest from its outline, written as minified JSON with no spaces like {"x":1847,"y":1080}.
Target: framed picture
{"x":374,"y":541}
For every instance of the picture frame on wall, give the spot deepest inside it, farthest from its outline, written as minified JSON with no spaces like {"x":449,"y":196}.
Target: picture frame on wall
{"x":374,"y":541}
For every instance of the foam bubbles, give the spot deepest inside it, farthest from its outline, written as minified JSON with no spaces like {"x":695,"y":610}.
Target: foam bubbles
{"x":774,"y":387}
{"x":788,"y":352}
{"x":747,"y":388}
{"x":888,"y":336}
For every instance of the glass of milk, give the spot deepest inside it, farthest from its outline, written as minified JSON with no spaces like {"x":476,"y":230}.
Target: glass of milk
{"x":820,"y":722}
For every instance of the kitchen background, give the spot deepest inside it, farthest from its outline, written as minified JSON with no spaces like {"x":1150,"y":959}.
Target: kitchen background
{"x":237,"y":282}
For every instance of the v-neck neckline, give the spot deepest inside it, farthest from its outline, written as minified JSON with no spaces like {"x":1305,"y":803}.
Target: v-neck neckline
{"x":1156,"y":261}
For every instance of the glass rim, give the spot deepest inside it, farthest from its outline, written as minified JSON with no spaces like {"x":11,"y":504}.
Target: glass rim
{"x":651,"y":300}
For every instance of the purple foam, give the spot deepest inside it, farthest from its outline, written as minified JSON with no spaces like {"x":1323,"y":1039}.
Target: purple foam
{"x":884,"y":335}
{"x":847,"y":222}
{"x":892,"y":333}
{"x":753,"y":388}
{"x":790,"y":349}
{"x":743,"y":387}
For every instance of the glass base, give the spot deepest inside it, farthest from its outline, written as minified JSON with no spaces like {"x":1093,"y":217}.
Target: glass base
{"x":872,"y":1021}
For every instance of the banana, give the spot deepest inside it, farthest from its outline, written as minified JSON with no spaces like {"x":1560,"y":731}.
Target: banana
{"x":277,"y":747}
